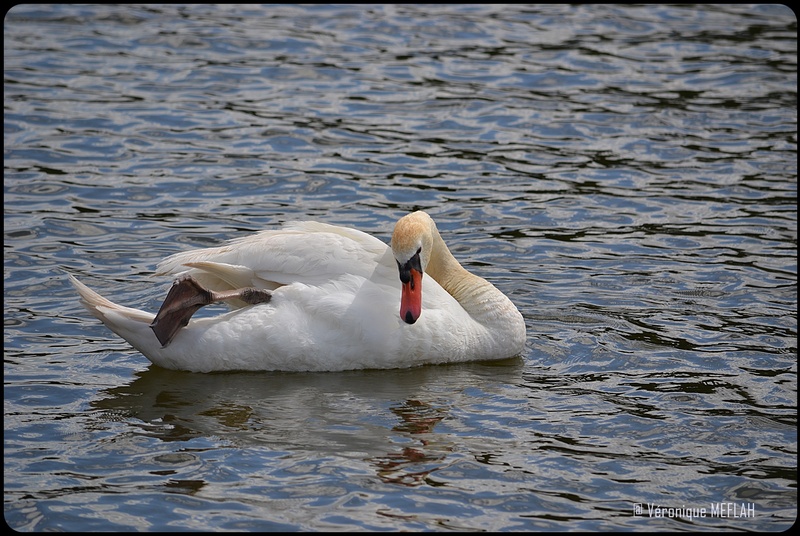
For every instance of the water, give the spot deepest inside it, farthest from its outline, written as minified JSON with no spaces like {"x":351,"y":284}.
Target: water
{"x":626,"y":174}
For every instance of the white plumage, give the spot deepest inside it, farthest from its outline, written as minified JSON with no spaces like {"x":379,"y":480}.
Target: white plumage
{"x":335,"y":304}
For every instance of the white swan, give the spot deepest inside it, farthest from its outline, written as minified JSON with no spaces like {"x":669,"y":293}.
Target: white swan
{"x":317,"y":297}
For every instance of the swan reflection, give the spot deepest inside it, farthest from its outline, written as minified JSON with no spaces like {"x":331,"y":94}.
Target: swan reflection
{"x":387,"y":418}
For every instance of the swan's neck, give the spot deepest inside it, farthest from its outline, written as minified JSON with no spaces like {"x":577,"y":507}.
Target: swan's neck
{"x":482,"y":300}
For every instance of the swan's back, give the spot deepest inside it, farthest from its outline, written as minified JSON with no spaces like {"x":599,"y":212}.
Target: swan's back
{"x":307,"y":252}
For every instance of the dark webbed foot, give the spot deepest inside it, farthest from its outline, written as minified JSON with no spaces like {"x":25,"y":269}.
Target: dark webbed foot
{"x":184,"y":299}
{"x":186,"y":296}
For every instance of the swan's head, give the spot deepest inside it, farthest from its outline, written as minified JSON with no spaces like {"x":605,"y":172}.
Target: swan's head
{"x":412,"y":241}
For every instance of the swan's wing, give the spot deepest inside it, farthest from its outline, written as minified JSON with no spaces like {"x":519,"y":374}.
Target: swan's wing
{"x":306,"y":252}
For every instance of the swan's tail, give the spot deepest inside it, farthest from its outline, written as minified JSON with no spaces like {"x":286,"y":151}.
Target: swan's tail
{"x":184,"y":298}
{"x":106,"y":310}
{"x":131,"y":324}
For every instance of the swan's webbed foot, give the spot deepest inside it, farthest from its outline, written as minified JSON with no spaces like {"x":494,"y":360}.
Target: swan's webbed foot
{"x":186,"y":296}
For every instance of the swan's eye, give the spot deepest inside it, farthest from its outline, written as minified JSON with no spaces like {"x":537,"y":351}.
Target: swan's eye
{"x":414,"y":263}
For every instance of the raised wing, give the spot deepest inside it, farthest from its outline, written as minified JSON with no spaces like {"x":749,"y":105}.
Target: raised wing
{"x":307,"y":252}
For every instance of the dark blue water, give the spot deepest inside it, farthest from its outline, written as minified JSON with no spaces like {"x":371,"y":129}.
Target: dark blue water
{"x":626,"y":174}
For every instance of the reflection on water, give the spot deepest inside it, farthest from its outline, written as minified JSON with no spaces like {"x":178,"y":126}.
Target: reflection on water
{"x":297,"y":411}
{"x":329,"y":415}
{"x":403,"y":467}
{"x":626,"y":174}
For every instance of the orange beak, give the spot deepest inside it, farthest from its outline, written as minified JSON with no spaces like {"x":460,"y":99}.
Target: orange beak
{"x":411,"y":297}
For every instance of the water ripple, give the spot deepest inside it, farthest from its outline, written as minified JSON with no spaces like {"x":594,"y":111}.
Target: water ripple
{"x":626,"y":174}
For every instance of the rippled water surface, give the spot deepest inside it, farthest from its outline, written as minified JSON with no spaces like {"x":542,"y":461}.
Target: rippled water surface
{"x":626,"y":174}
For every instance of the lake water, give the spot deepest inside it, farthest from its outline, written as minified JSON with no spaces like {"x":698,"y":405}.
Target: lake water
{"x":626,"y":174}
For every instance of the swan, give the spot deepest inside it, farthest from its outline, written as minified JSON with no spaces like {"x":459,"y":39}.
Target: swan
{"x":317,"y":297}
